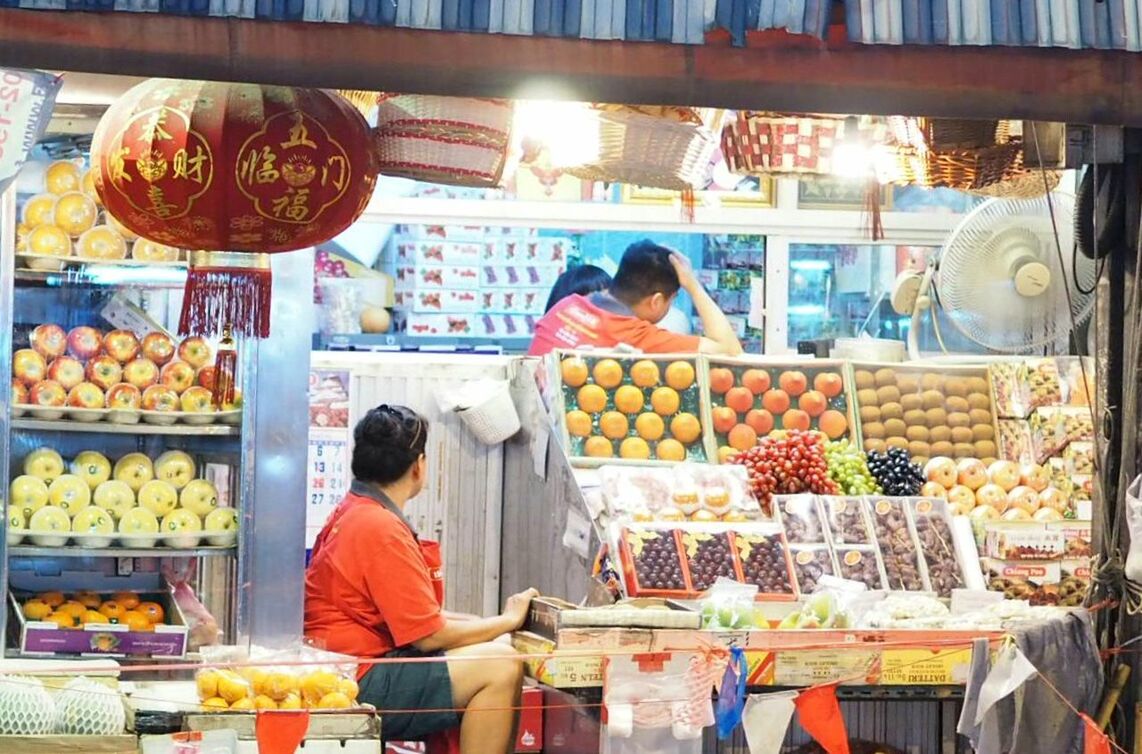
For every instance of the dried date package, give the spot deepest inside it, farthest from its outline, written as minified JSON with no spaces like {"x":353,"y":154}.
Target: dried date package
{"x":800,"y":519}
{"x":898,"y":549}
{"x":933,"y":524}
{"x":810,"y":563}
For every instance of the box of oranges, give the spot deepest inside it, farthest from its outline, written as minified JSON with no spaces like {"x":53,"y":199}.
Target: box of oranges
{"x":123,"y":624}
{"x":751,"y":398}
{"x":302,"y":678}
{"x":621,"y":408}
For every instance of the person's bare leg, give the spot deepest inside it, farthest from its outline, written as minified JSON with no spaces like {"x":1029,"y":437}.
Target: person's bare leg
{"x":489,"y":692}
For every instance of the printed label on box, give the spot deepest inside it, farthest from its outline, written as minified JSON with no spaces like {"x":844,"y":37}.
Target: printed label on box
{"x":924,"y":667}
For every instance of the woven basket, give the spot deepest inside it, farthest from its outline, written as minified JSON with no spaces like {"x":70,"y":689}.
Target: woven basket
{"x":920,"y":162}
{"x":451,"y":140}
{"x":652,"y":151}
{"x":959,"y":133}
{"x":778,"y":144}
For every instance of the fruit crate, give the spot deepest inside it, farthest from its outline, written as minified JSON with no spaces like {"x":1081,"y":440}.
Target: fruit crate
{"x":928,"y":408}
{"x":748,"y":397}
{"x":44,"y":639}
{"x":619,"y":408}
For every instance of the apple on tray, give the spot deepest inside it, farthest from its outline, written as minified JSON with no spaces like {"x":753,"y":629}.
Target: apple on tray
{"x":159,"y":497}
{"x":95,"y":526}
{"x":142,"y":373}
{"x":198,"y":405}
{"x":44,"y":464}
{"x":222,"y":527}
{"x":50,"y":527}
{"x":124,"y":396}
{"x":84,"y":342}
{"x":29,"y":367}
{"x":47,"y":399}
{"x":17,"y":524}
{"x":200,"y":497}
{"x":66,"y":371}
{"x":136,"y":524}
{"x":121,"y":345}
{"x":116,"y":497}
{"x":194,"y":351}
{"x":86,"y":395}
{"x":176,"y":467}
{"x":69,"y":493}
{"x":135,"y":469}
{"x":92,"y":467}
{"x":28,"y":493}
{"x":158,"y":347}
{"x":181,"y":529}
{"x":178,"y":376}
{"x":49,"y":341}
{"x":161,"y":404}
{"x":104,"y":372}
{"x":19,"y":397}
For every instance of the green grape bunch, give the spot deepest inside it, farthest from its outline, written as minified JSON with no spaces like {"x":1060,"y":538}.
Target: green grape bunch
{"x":849,"y":469}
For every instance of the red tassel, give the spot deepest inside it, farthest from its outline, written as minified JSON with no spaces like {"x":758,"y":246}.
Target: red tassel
{"x":225,"y":370}
{"x":872,"y":209}
{"x":689,"y":203}
{"x":217,"y":297}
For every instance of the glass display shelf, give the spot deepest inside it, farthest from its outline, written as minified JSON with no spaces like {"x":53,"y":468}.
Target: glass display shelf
{"x":107,"y":428}
{"x":33,"y":551}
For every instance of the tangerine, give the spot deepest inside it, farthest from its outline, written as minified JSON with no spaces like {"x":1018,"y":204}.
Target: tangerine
{"x":686,"y":428}
{"x":264,"y":702}
{"x":348,"y":687}
{"x":592,"y":399}
{"x":317,"y":685}
{"x":644,"y":373}
{"x":53,"y":599}
{"x":634,"y":447}
{"x":37,"y":609}
{"x":578,"y":423}
{"x":795,"y":419}
{"x":680,"y":375}
{"x":153,"y":610}
{"x":293,"y":701}
{"x":598,"y":447}
{"x":761,"y":421}
{"x":721,"y":380}
{"x":608,"y":373}
{"x":629,"y":399}
{"x":113,"y":610}
{"x":335,"y":700}
{"x":574,"y":371}
{"x":129,"y":600}
{"x":649,"y":426}
{"x":63,"y":620}
{"x":665,"y":401}
{"x":88,"y":599}
{"x":757,"y":380}
{"x":245,"y":704}
{"x":813,"y":402}
{"x":670,"y":450}
{"x":740,"y":399}
{"x":136,"y":621}
{"x":614,"y":425}
{"x":92,"y":616}
{"x":724,"y":419}
{"x":833,"y":423}
{"x":72,"y":608}
{"x":215,"y":704}
{"x":793,"y":382}
{"x":829,"y":383}
{"x":725,"y":453}
{"x":742,"y":437}
{"x":775,"y":402}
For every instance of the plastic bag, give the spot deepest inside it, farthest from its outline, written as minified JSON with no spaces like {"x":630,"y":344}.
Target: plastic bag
{"x":730,"y":606}
{"x":1134,"y":523}
{"x":828,"y":607}
{"x":301,"y":677}
{"x":202,"y":628}
{"x":204,"y":742}
{"x":650,"y":692}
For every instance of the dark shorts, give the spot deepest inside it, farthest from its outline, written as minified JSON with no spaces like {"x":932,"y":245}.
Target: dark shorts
{"x":410,"y":686}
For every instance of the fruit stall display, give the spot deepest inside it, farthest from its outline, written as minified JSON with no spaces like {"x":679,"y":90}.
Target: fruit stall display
{"x":284,"y":679}
{"x":132,"y":501}
{"x":616,"y":407}
{"x":88,"y":714}
{"x":928,"y":410}
{"x":752,"y":398}
{"x":87,"y":375}
{"x":696,"y":492}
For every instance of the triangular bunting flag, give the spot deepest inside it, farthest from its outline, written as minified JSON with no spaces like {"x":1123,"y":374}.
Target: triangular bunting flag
{"x":1094,"y":740}
{"x":820,"y":716}
{"x":766,"y":721}
{"x":280,"y":732}
{"x":731,"y":696}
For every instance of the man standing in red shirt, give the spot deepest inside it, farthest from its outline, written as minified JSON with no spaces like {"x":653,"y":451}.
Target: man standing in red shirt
{"x":646,"y":284}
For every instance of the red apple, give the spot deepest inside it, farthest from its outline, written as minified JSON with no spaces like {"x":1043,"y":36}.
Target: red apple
{"x":142,"y":373}
{"x":29,"y":367}
{"x":122,"y":345}
{"x":178,"y":376}
{"x":206,"y":377}
{"x":104,"y":371}
{"x":942,"y":471}
{"x":19,"y":392}
{"x":197,"y":400}
{"x":50,"y":341}
{"x":194,"y":351}
{"x":47,"y":393}
{"x":66,"y":371}
{"x":85,"y":395}
{"x":160,"y":398}
{"x":158,"y":347}
{"x":84,"y":342}
{"x":124,"y":396}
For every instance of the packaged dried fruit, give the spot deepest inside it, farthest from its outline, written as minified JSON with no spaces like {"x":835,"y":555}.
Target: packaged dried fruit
{"x":1075,"y":582}
{"x":1079,"y":456}
{"x":652,"y":562}
{"x":1076,"y":537}
{"x":1077,"y":379}
{"x":810,"y":563}
{"x":1054,"y":427}
{"x":1038,"y":583}
{"x":1015,"y":441}
{"x":847,"y":522}
{"x":800,"y":517}
{"x":764,"y":558}
{"x":1009,"y":388}
{"x":1024,"y":541}
{"x":709,"y":557}
{"x":860,"y":563}
{"x":898,"y":547}
{"x":932,"y":523}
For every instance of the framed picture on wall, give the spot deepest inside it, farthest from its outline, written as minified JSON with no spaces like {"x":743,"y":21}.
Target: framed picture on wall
{"x":838,"y":193}
{"x":726,"y":188}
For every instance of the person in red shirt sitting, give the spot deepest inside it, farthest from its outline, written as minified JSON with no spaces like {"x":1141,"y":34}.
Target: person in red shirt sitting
{"x":646,"y":284}
{"x":374,"y":588}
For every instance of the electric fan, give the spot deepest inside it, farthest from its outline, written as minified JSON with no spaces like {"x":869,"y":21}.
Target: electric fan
{"x":999,"y":278}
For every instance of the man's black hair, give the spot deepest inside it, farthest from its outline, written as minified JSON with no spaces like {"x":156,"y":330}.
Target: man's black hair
{"x":644,"y":271}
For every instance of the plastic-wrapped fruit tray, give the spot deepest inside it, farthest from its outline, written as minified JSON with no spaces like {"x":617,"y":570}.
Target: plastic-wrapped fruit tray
{"x":932,"y":524}
{"x":130,"y":416}
{"x":899,"y":548}
{"x":160,"y":541}
{"x":801,"y":518}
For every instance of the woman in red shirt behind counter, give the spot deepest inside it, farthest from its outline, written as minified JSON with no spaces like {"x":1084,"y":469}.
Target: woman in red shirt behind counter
{"x":375,"y":589}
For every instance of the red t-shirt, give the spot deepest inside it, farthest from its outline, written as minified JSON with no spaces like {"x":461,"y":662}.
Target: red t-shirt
{"x":368,"y":589}
{"x":576,"y":322}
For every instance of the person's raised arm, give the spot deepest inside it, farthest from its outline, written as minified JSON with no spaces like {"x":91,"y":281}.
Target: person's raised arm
{"x":719,"y":336}
{"x":463,"y":633}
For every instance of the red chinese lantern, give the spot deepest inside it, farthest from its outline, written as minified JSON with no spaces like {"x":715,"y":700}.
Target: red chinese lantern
{"x":232,"y":167}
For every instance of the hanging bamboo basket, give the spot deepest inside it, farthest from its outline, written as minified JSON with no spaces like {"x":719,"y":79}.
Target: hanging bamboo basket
{"x":758,"y":143}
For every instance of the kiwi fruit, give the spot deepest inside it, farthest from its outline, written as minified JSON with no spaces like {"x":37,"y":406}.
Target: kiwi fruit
{"x":885,"y":377}
{"x":895,"y":427}
{"x":979,"y":416}
{"x":956,"y":386}
{"x":918,"y":448}
{"x":961,"y":434}
{"x":980,"y":401}
{"x":869,"y":414}
{"x":937,"y":417}
{"x":932,"y":382}
{"x":916,"y":417}
{"x":963,"y":450}
{"x":942,"y":449}
{"x":983,"y":432}
{"x":891,"y":411}
{"x":958,"y":420}
{"x":873,"y":431}
{"x":864,"y":379}
{"x":888,"y":394}
{"x":984,"y":449}
{"x":940,"y":434}
{"x":867,"y":397}
{"x":977,"y":385}
{"x":908,"y":383}
{"x":932,"y":399}
{"x":911,"y":401}
{"x":896,"y":442}
{"x":874,"y":446}
{"x":987,"y":461}
{"x":920,"y":461}
{"x":957,"y":405}
{"x":919,"y":434}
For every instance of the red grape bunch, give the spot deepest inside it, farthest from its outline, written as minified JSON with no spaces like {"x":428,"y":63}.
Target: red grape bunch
{"x":787,"y":465}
